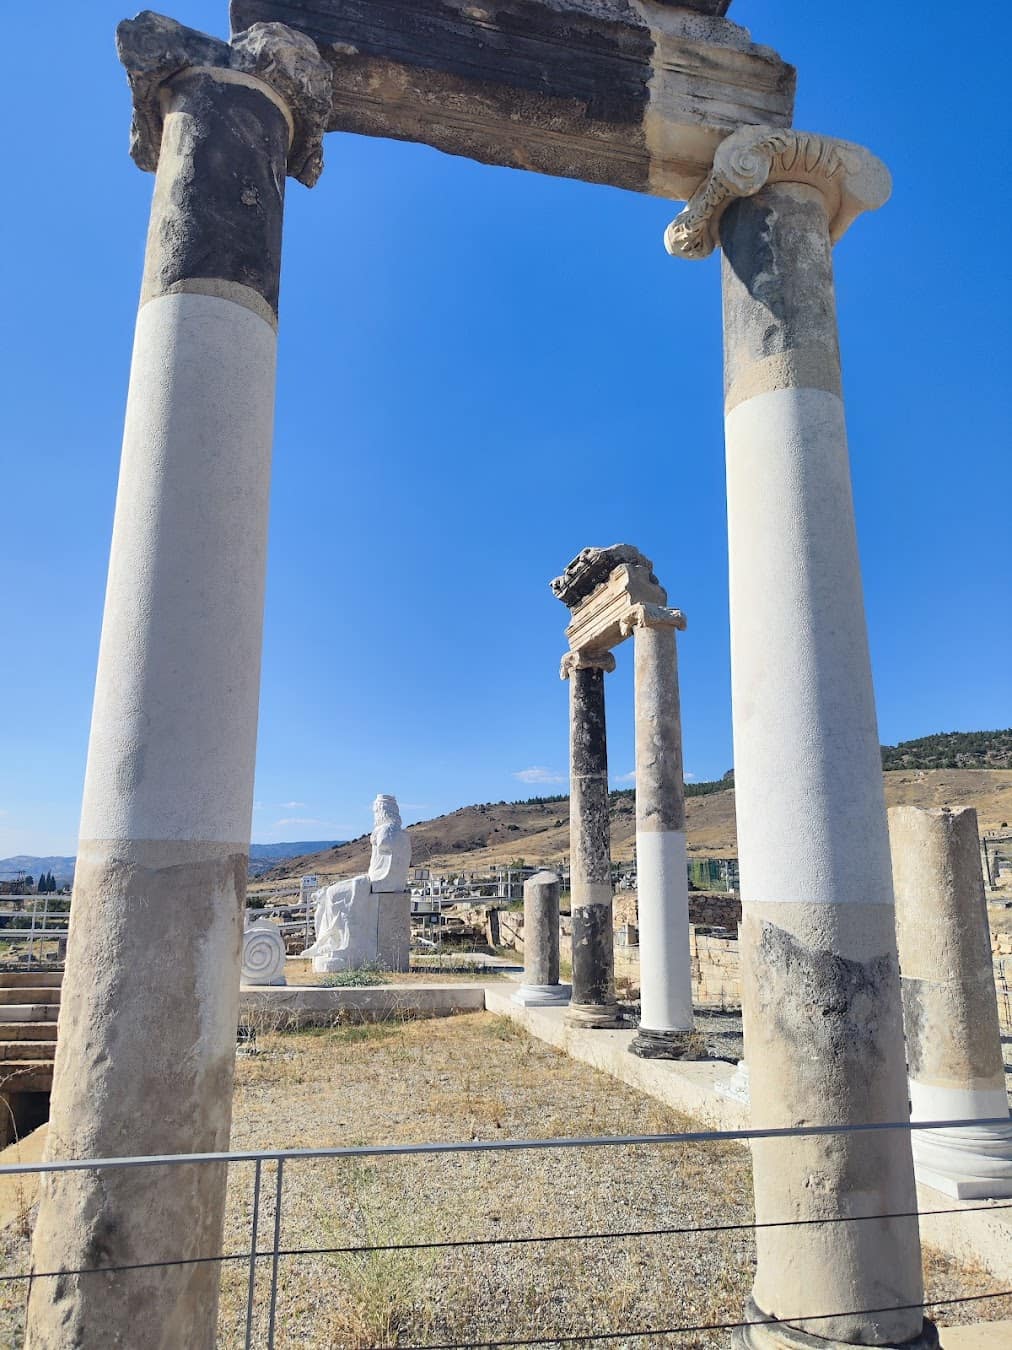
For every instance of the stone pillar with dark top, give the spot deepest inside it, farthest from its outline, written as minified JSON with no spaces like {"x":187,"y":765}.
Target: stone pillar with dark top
{"x":593,"y":1001}
{"x":950,"y":1010}
{"x":150,"y":999}
{"x":662,"y":881}
{"x":821,"y":990}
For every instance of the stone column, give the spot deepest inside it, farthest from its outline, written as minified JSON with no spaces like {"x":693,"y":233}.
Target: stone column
{"x":821,"y":995}
{"x":150,"y":998}
{"x":541,"y":943}
{"x":593,"y":1002}
{"x":954,"y":1054}
{"x":662,"y":883}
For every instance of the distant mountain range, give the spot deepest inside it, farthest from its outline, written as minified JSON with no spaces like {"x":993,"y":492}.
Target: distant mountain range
{"x":262,"y":857}
{"x":952,"y":750}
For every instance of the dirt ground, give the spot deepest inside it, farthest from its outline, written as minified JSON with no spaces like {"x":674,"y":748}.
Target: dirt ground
{"x":477,"y":1077}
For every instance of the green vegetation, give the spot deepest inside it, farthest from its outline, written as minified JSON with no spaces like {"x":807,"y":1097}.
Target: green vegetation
{"x":364,"y":977}
{"x":952,"y":750}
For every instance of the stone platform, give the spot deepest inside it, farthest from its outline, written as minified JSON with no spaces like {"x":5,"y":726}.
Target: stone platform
{"x":317,"y":1005}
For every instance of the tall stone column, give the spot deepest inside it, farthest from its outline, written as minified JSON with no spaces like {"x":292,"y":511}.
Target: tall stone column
{"x":662,"y":883}
{"x":950,"y":1011}
{"x":824,"y":1035}
{"x":593,"y":1002}
{"x":150,"y":1000}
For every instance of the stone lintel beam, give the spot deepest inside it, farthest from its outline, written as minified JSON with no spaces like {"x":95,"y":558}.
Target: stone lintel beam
{"x":850,"y":178}
{"x":633,"y":93}
{"x":652,"y":616}
{"x":283,"y":62}
{"x":600,"y":587}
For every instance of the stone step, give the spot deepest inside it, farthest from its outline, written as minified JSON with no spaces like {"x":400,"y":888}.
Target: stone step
{"x":26,"y":1075}
{"x":36,"y":993}
{"x":27,"y":1031}
{"x":27,"y":979}
{"x":30,"y":1012}
{"x":18,"y":1049}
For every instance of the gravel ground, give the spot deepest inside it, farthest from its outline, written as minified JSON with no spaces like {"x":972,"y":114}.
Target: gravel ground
{"x":478,"y":1077}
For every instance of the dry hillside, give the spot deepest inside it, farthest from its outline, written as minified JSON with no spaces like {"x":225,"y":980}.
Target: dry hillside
{"x":478,"y":836}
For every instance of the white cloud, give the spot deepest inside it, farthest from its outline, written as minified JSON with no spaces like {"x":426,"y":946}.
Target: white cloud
{"x":299,"y":820}
{"x":291,"y":806}
{"x":690,"y":777}
{"x":538,"y":774}
{"x":625,"y":777}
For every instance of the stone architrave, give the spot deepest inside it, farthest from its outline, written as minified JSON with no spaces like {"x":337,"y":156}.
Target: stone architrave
{"x":541,"y":985}
{"x":263,"y":954}
{"x":367,"y":919}
{"x":147,"y":1044}
{"x":633,"y":94}
{"x":954,"y":1051}
{"x":662,"y":884}
{"x":821,"y":992}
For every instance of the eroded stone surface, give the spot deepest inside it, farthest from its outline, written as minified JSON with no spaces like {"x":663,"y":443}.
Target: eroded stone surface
{"x":155,"y":49}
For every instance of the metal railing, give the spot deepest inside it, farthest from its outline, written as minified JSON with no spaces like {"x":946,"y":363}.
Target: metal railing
{"x":275,"y":1252}
{"x":39,"y":927}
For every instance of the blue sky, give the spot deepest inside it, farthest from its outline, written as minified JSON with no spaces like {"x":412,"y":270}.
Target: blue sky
{"x":482,"y":371}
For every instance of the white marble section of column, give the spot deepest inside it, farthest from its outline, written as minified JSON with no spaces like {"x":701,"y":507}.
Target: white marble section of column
{"x":662,"y":885}
{"x":954,"y":1051}
{"x":821,"y":995}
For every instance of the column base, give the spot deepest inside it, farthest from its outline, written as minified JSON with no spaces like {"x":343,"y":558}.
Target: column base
{"x":668,"y":1045}
{"x":772,"y":1335}
{"x":970,"y":1163}
{"x":594,"y":1016}
{"x":542,"y":995}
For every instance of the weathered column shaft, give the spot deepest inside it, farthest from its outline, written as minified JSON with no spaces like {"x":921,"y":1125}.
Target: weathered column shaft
{"x":662,"y":884}
{"x":821,"y":985}
{"x":821,"y":995}
{"x":150,"y":998}
{"x":593,"y":1002}
{"x":541,"y":943}
{"x":954,"y":1052}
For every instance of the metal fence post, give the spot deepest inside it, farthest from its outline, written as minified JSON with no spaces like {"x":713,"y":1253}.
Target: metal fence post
{"x":251,"y":1288}
{"x":275,"y":1253}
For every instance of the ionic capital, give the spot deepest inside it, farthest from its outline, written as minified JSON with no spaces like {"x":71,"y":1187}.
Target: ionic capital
{"x":651,"y":616}
{"x":156,"y":50}
{"x":586,"y":661}
{"x":849,"y":177}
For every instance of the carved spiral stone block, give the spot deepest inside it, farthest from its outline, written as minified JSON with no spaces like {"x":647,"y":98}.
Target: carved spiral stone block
{"x":850,"y":178}
{"x":263,"y":954}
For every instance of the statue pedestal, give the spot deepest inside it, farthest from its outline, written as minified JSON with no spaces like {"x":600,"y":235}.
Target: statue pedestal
{"x":393,"y":930}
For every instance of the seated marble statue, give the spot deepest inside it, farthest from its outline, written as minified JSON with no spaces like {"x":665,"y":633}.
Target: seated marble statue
{"x":347,"y":914}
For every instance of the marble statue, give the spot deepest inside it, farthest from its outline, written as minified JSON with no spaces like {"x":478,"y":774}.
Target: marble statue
{"x":350,"y":916}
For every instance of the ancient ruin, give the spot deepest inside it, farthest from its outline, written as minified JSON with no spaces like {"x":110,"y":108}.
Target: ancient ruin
{"x":954,"y":1051}
{"x":671,"y":99}
{"x":612,"y":594}
{"x":541,"y":985}
{"x":367,"y":919}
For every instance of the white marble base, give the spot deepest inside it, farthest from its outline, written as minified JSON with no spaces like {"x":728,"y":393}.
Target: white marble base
{"x":543,"y":995}
{"x":973,"y":1162}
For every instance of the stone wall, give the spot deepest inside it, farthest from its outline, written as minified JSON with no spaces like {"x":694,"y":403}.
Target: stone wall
{"x":716,"y":967}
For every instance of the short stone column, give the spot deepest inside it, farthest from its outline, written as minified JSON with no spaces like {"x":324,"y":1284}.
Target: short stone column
{"x":150,"y":999}
{"x":954,"y":1054}
{"x":541,"y":985}
{"x":821,"y":993}
{"x":593,"y":1001}
{"x":662,"y":882}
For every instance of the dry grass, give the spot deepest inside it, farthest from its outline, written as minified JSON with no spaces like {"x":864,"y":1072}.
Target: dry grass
{"x":476,"y":1077}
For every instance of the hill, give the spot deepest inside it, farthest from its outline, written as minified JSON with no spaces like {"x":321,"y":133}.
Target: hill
{"x":537,"y":830}
{"x":262,"y":857}
{"x":952,"y":750}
